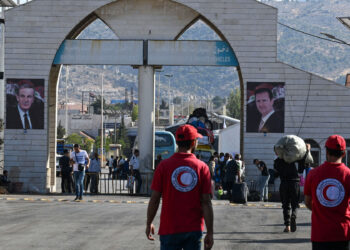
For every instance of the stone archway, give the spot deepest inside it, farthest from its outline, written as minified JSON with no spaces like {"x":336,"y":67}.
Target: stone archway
{"x":172,"y":20}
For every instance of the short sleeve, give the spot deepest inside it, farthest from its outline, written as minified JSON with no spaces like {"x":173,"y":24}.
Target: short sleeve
{"x":307,"y":185}
{"x":71,"y":155}
{"x":206,"y":180}
{"x":86,"y":154}
{"x":157,"y":183}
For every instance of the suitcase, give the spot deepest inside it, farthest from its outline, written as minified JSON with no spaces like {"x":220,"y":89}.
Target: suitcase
{"x":239,"y":193}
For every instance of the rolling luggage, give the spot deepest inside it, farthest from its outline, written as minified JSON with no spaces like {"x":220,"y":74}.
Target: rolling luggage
{"x":239,"y":193}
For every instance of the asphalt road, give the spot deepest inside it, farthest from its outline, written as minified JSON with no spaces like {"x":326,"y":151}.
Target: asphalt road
{"x":40,"y":223}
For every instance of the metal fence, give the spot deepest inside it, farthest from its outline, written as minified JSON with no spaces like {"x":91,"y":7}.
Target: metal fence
{"x":106,"y":183}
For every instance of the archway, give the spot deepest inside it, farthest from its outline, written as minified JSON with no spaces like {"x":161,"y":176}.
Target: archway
{"x":149,"y":56}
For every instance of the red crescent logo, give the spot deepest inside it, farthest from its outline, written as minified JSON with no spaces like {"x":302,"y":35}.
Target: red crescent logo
{"x":179,"y":179}
{"x":325,"y":192}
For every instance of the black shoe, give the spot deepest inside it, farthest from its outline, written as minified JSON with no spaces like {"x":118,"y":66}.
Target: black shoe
{"x":293,"y":225}
{"x":80,"y":198}
{"x":76,"y":198}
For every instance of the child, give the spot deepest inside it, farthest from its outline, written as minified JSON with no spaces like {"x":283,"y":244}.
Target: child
{"x":220,"y":192}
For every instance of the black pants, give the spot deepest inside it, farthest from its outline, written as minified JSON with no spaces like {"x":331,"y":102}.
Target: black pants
{"x":229,"y":186}
{"x":289,"y":192}
{"x":87,"y":179}
{"x":138,"y":179}
{"x":66,"y":182}
{"x":95,"y":178}
{"x":335,"y":245}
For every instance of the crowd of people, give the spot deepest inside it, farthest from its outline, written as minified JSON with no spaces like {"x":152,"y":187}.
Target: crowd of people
{"x":225,"y":170}
{"x":81,"y":172}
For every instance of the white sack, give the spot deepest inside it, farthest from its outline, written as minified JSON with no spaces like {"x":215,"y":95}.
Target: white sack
{"x":292,"y":148}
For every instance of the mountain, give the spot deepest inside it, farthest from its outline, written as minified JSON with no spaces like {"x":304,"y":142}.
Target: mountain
{"x":328,"y":59}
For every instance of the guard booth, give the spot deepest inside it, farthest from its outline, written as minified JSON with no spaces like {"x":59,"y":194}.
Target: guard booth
{"x":41,"y":37}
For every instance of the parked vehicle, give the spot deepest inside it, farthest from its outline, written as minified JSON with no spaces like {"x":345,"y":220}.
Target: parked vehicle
{"x":165,"y":144}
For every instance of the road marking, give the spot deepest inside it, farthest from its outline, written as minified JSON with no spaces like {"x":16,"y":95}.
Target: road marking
{"x":257,"y":204}
{"x":11,"y":199}
{"x":47,"y":200}
{"x":28,"y":199}
{"x":97,"y":201}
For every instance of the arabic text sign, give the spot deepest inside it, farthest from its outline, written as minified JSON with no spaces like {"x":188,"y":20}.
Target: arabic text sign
{"x":99,"y":52}
{"x":185,"y":53}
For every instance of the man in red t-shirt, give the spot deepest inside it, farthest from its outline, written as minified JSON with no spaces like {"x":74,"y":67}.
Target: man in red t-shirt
{"x":184,"y":184}
{"x":327,"y":195}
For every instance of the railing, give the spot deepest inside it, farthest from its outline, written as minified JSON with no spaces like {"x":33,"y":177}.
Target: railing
{"x":115,"y":183}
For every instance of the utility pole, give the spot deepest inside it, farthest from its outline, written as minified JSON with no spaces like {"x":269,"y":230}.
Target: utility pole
{"x":66,"y":101}
{"x":169,"y":76}
{"x":102,"y":132}
{"x":158,"y":95}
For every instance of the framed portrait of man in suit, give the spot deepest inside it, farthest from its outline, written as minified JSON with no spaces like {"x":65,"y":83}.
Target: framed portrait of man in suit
{"x":25,"y":101}
{"x":265,"y":107}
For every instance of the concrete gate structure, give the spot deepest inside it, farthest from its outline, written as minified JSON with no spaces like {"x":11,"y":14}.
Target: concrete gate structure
{"x":314,"y":107}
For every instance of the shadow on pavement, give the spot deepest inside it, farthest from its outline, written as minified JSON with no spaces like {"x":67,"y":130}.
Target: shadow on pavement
{"x":306,"y":224}
{"x":247,"y":233}
{"x":276,"y":241}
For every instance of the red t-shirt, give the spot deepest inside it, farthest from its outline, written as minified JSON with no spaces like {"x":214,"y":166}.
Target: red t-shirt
{"x":181,"y":179}
{"x":329,"y":187}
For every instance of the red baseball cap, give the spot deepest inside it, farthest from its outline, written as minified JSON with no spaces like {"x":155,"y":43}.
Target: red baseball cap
{"x":187,"y":133}
{"x":336,"y":142}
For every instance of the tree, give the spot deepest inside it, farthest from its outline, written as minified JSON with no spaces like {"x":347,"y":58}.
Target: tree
{"x":106,"y":142}
{"x":135,"y":113}
{"x":85,"y":143}
{"x":218,"y":101}
{"x":177,"y":100}
{"x":234,"y":104}
{"x":97,"y":105}
{"x":61,"y":131}
{"x":163,"y":105}
{"x":74,"y":139}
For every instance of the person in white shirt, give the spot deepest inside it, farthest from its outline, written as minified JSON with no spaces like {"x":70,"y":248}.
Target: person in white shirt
{"x":81,"y":162}
{"x":135,"y":169}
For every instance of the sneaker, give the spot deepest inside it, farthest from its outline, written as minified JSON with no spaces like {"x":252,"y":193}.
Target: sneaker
{"x":293,"y":224}
{"x":76,"y":198}
{"x":80,"y":198}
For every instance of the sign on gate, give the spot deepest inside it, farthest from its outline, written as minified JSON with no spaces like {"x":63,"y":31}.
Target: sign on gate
{"x":136,"y":52}
{"x":100,"y":52}
{"x":186,"y":53}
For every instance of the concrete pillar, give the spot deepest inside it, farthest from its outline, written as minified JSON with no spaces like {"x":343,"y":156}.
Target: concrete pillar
{"x":171,"y":114}
{"x":2,"y":89}
{"x":146,"y":120}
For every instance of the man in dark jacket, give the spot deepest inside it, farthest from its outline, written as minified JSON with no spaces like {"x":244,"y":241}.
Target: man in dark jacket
{"x":290,"y":189}
{"x":66,"y":172}
{"x":231,"y":170}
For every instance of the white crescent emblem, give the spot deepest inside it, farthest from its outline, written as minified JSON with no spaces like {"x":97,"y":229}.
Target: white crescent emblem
{"x":184,"y":179}
{"x":330,"y":192}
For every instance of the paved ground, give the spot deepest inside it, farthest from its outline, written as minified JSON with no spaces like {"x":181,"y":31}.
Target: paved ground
{"x":118,"y":222}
